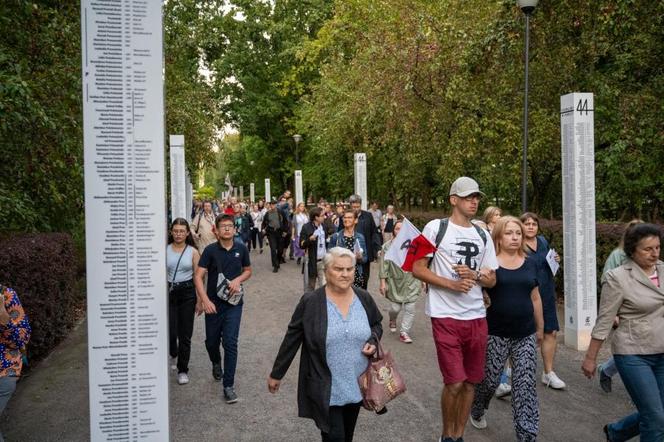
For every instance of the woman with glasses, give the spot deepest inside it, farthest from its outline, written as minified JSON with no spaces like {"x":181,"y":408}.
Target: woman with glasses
{"x":181,"y":261}
{"x":353,"y":241}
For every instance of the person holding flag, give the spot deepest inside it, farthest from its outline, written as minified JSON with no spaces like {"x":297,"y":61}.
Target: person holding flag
{"x":400,"y":288}
{"x":464,"y":261}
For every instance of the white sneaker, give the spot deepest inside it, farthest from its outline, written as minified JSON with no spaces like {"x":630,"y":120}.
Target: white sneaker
{"x":480,"y":423}
{"x":552,"y":380}
{"x":183,"y":378}
{"x":173,"y":363}
{"x":503,"y":390}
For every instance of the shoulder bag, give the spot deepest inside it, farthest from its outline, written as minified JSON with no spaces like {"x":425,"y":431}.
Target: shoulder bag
{"x":381,"y":381}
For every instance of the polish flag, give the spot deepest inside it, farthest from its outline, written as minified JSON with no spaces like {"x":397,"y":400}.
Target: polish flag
{"x":409,"y":246}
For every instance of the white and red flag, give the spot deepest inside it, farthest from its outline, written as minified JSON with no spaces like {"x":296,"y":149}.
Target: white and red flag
{"x":409,"y":246}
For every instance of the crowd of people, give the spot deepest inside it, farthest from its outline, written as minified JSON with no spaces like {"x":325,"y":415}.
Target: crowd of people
{"x":489,"y":292}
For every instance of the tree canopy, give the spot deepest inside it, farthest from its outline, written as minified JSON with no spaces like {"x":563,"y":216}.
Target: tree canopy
{"x":429,"y":90}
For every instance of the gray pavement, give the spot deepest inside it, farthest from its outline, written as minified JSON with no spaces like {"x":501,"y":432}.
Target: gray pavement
{"x":51,"y":404}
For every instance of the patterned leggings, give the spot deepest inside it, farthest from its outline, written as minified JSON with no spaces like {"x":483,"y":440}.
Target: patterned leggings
{"x":525,"y":408}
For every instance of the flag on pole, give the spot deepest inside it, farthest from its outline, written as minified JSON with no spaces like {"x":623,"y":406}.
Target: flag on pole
{"x":409,"y":246}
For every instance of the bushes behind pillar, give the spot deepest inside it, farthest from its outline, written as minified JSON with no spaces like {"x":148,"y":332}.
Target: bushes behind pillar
{"x":43,"y":269}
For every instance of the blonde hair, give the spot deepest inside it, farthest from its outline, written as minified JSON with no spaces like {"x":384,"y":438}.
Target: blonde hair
{"x":499,"y":229}
{"x":490,"y":212}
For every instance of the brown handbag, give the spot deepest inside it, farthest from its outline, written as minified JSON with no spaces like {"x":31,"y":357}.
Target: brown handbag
{"x":381,"y":381}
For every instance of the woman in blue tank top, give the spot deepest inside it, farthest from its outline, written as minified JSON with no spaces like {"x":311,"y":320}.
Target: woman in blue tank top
{"x":516,"y":327}
{"x":181,"y":261}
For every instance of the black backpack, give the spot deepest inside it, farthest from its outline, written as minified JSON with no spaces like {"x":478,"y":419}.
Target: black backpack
{"x":442,"y":228}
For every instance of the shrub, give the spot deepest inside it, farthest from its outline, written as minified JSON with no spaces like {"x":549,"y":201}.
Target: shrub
{"x":42,"y":268}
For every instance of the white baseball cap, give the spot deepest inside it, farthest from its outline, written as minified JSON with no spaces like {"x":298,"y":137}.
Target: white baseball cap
{"x":464,"y":186}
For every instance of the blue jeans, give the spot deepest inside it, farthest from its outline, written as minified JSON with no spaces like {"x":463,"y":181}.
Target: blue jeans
{"x":224,"y":327}
{"x":643,"y":376}
{"x":7,"y":388}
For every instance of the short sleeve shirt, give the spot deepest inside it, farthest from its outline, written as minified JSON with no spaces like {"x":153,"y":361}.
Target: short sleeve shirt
{"x":217,"y":259}
{"x":460,"y":245}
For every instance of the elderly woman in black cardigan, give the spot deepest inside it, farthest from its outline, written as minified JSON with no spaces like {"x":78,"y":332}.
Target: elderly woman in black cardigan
{"x":338,"y":325}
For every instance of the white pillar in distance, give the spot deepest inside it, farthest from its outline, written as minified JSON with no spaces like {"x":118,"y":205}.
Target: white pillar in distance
{"x":299,"y":194}
{"x":361,"y":177}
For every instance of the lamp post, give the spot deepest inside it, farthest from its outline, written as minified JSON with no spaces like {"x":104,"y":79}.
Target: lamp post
{"x":528,"y":7}
{"x":297,"y":138}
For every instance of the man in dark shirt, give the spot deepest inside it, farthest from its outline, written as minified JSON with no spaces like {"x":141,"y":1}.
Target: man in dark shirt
{"x":274,"y":226}
{"x":367,"y":227}
{"x":228,"y":259}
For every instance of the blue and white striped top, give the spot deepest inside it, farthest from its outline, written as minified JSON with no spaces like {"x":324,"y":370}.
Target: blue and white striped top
{"x":343,"y":345}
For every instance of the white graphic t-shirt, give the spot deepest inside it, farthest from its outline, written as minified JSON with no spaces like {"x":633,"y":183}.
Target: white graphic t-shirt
{"x":460,"y":245}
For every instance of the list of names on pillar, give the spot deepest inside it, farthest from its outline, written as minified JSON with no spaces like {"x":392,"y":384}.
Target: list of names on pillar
{"x":125,"y":219}
{"x":578,"y":176}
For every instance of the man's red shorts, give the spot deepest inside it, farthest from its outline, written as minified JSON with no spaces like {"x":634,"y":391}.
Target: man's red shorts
{"x":461,"y":348}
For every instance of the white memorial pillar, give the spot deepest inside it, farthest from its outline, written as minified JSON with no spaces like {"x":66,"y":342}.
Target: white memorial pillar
{"x":242,"y":192}
{"x":178,"y":177}
{"x":578,"y":172}
{"x":190,"y":196}
{"x":299,"y":198}
{"x":252,"y":191}
{"x":361,"y":177}
{"x":267,"y":190}
{"x":125,"y":219}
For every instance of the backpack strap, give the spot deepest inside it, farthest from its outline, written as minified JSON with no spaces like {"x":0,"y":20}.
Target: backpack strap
{"x":442,"y":228}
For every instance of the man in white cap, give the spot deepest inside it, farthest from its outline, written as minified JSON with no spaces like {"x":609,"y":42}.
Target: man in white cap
{"x":464,"y":262}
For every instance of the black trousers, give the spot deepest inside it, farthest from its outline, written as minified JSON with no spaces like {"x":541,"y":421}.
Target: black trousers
{"x":181,"y":313}
{"x":366,"y":269}
{"x":256,"y":235}
{"x":276,"y":247}
{"x":342,"y":423}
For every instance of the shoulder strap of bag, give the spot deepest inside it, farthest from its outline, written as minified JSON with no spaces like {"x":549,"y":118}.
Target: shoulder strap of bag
{"x":178,"y":264}
{"x":442,"y":228}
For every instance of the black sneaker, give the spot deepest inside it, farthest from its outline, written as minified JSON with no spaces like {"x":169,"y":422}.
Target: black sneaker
{"x":275,"y":269}
{"x":217,"y":372}
{"x":229,"y":394}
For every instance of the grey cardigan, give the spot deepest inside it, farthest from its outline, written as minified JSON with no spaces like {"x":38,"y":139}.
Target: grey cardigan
{"x":308,"y":328}
{"x":628,"y":293}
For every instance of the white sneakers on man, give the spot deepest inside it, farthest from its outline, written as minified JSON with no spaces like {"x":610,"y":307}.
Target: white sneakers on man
{"x":550,"y":379}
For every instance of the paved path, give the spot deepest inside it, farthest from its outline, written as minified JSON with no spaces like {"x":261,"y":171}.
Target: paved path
{"x":52,"y":403}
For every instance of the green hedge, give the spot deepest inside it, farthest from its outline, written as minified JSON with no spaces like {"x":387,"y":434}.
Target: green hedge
{"x":43,"y":269}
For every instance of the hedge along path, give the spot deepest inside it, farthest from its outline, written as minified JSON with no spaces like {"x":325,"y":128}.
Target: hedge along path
{"x":44,"y":269}
{"x":56,"y":389}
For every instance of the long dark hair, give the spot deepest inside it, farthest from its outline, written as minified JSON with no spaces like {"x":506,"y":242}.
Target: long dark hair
{"x":181,"y":222}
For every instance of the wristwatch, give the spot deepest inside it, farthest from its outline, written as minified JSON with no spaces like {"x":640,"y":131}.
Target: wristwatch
{"x":478,"y":275}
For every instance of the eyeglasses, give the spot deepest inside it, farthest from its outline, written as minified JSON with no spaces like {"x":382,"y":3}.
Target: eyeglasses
{"x":226,"y":227}
{"x":474,"y":196}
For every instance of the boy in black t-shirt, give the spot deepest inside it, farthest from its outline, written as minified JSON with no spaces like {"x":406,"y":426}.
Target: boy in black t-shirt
{"x":228,"y":259}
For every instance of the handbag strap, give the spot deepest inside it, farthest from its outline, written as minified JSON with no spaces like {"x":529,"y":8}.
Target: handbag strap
{"x":178,"y":264}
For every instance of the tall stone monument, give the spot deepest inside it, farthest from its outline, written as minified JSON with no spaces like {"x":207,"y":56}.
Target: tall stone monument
{"x":361,"y":177}
{"x":178,"y":177}
{"x":125,"y":219}
{"x":299,"y":194}
{"x":252,"y":192}
{"x":267,"y":190}
{"x":578,"y":173}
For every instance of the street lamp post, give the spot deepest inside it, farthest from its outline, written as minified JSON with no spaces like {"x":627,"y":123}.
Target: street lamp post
{"x":528,"y":7}
{"x":297,"y":138}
